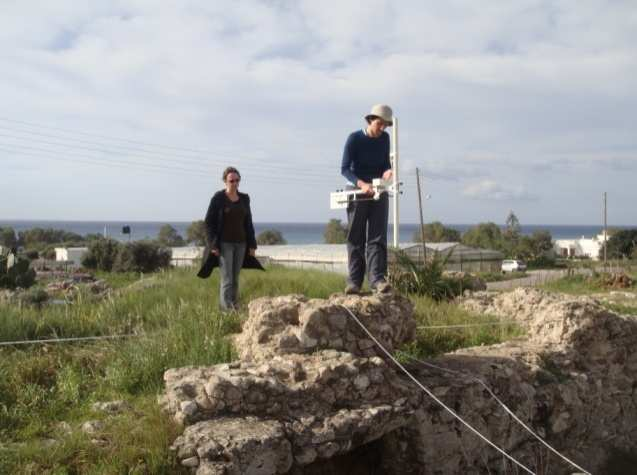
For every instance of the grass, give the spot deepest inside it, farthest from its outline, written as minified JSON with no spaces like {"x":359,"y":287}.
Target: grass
{"x":580,"y":284}
{"x":434,"y":341}
{"x":499,"y":276}
{"x":621,"y":308}
{"x":177,"y":319}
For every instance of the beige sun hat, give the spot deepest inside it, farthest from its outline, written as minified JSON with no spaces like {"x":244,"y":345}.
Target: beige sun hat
{"x":383,"y":111}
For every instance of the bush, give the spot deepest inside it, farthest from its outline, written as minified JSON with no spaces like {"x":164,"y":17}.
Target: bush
{"x":542,"y":262}
{"x":270,"y":236}
{"x":169,"y":237}
{"x":19,"y":275}
{"x":335,"y":232}
{"x":141,"y":256}
{"x":427,"y":279}
{"x":8,"y":237}
{"x":196,"y":233}
{"x":34,"y":236}
{"x":101,"y":254}
{"x":436,"y":232}
{"x":35,"y":297}
{"x":32,"y":254}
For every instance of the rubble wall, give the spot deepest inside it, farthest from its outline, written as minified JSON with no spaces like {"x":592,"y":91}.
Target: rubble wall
{"x":311,"y":388}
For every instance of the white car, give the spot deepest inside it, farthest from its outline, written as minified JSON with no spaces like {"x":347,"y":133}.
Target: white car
{"x":512,"y":265}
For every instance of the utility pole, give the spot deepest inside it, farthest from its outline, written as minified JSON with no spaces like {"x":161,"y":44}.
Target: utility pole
{"x":605,"y":231}
{"x":422,"y":226}
{"x":394,"y":165}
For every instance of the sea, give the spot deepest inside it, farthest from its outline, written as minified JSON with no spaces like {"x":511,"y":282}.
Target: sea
{"x":293,"y":233}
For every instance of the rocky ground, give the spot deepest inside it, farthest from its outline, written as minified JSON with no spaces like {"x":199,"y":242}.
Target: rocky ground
{"x":312,"y":388}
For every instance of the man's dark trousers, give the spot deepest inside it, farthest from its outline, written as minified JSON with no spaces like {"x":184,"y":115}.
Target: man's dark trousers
{"x":367,"y":222}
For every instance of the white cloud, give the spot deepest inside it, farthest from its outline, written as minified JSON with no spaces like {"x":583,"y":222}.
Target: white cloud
{"x":493,"y":191}
{"x":504,"y":90}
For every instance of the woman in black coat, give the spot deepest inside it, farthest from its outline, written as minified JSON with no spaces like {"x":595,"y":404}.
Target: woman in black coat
{"x":231,"y":243}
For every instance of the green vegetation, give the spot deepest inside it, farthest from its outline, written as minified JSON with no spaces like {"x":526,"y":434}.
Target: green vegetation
{"x":139,"y":256}
{"x":335,"y":232}
{"x":423,"y":279}
{"x":435,"y":341}
{"x":436,"y":232}
{"x":580,"y":284}
{"x":270,"y":236}
{"x":169,"y":237}
{"x":8,"y":237}
{"x":18,"y":275}
{"x":623,"y":244}
{"x":621,"y":308}
{"x":484,"y":235}
{"x":196,"y":233}
{"x":499,"y":276}
{"x":176,"y":317}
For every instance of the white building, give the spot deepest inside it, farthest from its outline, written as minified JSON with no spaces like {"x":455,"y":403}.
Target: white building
{"x":593,"y":248}
{"x":71,"y":255}
{"x":185,"y":256}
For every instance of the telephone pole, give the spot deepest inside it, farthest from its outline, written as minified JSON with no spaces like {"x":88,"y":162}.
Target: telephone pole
{"x":422,"y":226}
{"x":605,"y":231}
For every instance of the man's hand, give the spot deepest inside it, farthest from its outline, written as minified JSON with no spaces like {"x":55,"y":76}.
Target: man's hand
{"x":365,"y":187}
{"x":252,"y":251}
{"x":388,"y":174}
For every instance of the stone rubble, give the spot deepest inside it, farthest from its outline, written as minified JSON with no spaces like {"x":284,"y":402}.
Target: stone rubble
{"x":296,"y":325}
{"x":310,"y":389}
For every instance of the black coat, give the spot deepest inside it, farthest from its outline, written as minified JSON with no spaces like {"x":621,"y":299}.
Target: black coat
{"x":214,"y":231}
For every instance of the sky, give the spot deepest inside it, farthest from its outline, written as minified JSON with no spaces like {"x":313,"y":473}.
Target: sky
{"x":130,"y":110}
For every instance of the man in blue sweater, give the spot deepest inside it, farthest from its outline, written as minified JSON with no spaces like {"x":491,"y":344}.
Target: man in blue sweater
{"x":366,"y":156}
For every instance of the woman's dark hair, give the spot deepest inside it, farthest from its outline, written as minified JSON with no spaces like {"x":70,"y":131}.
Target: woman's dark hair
{"x":228,"y":171}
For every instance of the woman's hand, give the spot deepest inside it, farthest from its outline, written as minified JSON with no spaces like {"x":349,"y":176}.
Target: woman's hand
{"x":387,"y":175}
{"x":252,"y":252}
{"x":214,"y":251}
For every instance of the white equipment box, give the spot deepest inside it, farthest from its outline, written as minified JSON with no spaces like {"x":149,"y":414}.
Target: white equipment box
{"x":339,"y":199}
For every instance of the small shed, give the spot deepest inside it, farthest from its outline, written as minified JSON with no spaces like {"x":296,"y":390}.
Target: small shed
{"x":458,"y":256}
{"x":70,"y":255}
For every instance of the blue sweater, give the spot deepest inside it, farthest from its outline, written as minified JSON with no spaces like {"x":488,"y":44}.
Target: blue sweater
{"x":365,"y":158}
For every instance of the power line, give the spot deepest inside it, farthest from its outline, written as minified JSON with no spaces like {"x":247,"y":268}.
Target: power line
{"x":201,"y":174}
{"x":201,"y":152}
{"x":263,"y":168}
{"x":135,"y":151}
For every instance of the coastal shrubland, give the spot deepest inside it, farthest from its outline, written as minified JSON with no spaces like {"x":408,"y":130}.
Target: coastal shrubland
{"x":168,"y":319}
{"x":138,"y":256}
{"x":270,"y":237}
{"x":335,"y":232}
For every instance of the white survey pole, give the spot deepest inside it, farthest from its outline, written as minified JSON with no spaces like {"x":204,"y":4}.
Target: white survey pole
{"x":394,"y":166}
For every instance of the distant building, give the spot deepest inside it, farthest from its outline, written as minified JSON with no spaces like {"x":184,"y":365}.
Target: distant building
{"x":70,"y":255}
{"x":592,"y":248}
{"x":185,"y":256}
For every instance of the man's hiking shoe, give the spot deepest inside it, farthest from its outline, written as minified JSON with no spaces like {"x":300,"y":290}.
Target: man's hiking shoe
{"x":382,"y":287}
{"x":352,"y":289}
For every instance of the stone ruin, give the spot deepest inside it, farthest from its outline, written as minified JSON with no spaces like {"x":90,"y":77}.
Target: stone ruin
{"x":312,"y":394}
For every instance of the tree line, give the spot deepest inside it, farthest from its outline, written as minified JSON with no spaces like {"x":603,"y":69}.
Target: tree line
{"x":535,"y":247}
